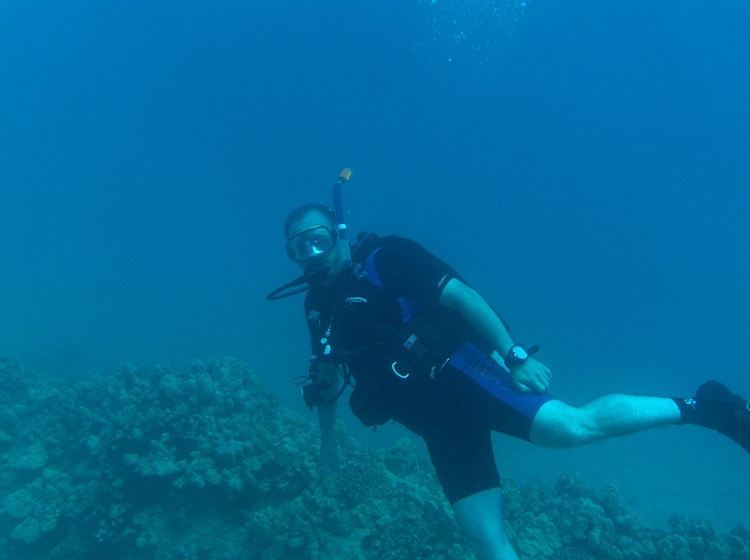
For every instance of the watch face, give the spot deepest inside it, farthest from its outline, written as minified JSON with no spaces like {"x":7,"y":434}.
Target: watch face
{"x":519,"y":352}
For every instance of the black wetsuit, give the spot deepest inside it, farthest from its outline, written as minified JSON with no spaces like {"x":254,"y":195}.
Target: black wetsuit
{"x":418,"y":362}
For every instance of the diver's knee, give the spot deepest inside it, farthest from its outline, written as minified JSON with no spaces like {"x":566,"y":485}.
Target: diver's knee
{"x":489,"y":542}
{"x":559,"y":425}
{"x":481,"y":521}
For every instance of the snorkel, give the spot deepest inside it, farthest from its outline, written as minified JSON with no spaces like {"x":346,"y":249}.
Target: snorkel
{"x":315,"y":274}
{"x":338,"y":206}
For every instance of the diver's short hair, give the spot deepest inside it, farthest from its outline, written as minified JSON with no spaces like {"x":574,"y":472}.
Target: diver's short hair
{"x":302,"y":211}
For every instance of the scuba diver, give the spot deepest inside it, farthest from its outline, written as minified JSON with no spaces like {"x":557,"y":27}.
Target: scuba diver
{"x":422,"y":348}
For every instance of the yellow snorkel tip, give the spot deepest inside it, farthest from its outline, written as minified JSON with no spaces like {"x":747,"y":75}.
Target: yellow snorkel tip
{"x":345,"y":175}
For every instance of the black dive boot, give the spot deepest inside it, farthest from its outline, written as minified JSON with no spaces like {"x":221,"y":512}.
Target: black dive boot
{"x":716,"y":407}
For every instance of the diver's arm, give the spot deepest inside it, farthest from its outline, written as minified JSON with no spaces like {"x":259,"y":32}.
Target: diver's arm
{"x":329,"y":455}
{"x":533,"y":376}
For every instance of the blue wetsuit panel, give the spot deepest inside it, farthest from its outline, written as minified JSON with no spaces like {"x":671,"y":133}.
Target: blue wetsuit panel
{"x":496,"y":380}
{"x":408,"y":307}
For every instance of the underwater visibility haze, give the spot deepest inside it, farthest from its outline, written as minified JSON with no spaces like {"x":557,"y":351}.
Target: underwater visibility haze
{"x":584,"y":165}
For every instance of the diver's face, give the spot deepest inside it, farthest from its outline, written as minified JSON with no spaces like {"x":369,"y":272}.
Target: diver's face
{"x":332,"y":258}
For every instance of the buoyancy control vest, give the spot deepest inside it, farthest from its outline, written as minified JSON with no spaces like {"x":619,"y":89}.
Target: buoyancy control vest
{"x":391,"y":343}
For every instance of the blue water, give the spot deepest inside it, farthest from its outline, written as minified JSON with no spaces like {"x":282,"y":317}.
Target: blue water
{"x":586,"y":165}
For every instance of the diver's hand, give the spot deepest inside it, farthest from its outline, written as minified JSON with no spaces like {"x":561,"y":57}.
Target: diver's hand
{"x":531,"y":377}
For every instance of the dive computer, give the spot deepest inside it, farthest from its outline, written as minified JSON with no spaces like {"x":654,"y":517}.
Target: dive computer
{"x":517,"y":355}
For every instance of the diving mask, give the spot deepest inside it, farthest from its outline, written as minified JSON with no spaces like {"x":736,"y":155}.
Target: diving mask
{"x":310,"y":244}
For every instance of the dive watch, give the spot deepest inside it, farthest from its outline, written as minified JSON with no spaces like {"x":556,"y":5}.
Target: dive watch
{"x":517,"y":355}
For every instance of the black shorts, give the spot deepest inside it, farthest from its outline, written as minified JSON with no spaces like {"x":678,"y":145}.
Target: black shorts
{"x":456,"y":412}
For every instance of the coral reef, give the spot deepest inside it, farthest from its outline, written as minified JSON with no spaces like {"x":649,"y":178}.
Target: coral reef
{"x":206,"y":464}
